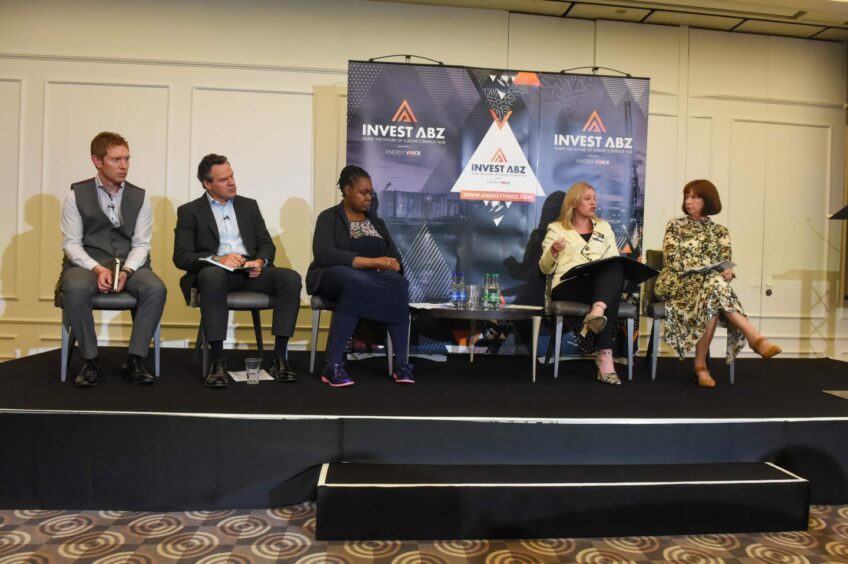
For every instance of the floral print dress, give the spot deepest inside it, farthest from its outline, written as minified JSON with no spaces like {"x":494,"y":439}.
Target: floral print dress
{"x":691,"y":300}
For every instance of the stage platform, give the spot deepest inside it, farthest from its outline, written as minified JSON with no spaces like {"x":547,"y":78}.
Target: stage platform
{"x":178,"y":445}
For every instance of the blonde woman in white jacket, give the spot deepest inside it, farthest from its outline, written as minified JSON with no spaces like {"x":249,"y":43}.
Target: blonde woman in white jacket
{"x":577,"y":237}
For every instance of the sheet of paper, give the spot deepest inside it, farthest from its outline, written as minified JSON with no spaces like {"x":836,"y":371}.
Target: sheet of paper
{"x":241,"y":375}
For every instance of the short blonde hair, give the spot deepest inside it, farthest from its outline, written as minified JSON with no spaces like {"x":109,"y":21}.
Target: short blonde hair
{"x":572,"y":198}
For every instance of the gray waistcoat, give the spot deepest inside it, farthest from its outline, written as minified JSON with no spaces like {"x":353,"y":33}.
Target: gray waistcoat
{"x":101,"y":240}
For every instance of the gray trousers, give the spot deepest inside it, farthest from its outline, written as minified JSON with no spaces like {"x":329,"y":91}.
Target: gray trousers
{"x":79,"y":286}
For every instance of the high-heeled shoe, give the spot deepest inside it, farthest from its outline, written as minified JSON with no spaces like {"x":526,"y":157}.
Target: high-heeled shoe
{"x":606,"y":377}
{"x":702,"y":376}
{"x":773,"y":350}
{"x":593,"y":323}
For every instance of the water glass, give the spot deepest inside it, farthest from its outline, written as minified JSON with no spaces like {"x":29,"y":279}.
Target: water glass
{"x":473,"y":296}
{"x":252,"y":367}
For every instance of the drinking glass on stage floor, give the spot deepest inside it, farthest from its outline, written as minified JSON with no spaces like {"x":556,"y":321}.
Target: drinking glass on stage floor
{"x":251,"y":367}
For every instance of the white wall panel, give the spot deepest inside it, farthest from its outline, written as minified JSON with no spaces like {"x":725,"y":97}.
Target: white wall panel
{"x":727,"y":64}
{"x":10,"y":151}
{"x":301,"y":33}
{"x":267,"y":137}
{"x":794,"y":251}
{"x":641,"y":50}
{"x":699,"y":152}
{"x":806,"y":71}
{"x":660,"y":179}
{"x":549,"y":44}
{"x":744,"y":209}
{"x":73,"y":114}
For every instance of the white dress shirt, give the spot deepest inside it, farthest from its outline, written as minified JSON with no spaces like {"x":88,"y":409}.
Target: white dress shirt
{"x":72,"y":227}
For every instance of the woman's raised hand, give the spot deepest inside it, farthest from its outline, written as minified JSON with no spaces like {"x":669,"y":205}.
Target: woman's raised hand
{"x":558,"y":246}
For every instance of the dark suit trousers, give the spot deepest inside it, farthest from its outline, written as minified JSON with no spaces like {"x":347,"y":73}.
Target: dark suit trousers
{"x":213,"y":283}
{"x":79,"y":286}
{"x":604,"y":285}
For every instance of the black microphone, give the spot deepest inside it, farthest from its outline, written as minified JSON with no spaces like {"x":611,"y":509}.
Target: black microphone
{"x":226,"y":218}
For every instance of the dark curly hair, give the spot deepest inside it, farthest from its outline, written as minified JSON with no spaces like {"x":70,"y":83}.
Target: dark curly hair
{"x":349,"y":175}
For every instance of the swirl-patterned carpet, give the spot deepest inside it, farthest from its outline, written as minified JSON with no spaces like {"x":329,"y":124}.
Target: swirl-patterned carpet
{"x":288,"y":535}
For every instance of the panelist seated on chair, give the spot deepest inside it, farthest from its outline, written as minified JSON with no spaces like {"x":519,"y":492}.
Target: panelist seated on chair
{"x":694,"y":301}
{"x":578,"y":237}
{"x":103,"y":219}
{"x":222,"y":229}
{"x":357,"y":265}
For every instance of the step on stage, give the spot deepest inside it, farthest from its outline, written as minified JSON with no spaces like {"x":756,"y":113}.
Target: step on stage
{"x":177,"y":445}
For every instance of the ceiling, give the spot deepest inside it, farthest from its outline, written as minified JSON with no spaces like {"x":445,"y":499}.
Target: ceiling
{"x":810,"y":19}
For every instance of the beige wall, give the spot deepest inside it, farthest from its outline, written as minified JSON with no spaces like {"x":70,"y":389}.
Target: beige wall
{"x":263,"y":82}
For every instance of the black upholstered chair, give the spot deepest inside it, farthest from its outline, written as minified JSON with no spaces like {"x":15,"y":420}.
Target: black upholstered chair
{"x":122,"y":301}
{"x":254,"y":302}
{"x":655,"y":310}
{"x":319,"y":304}
{"x":560,"y":309}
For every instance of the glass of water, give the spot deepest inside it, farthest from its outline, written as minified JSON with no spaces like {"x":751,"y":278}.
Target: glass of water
{"x":252,"y":367}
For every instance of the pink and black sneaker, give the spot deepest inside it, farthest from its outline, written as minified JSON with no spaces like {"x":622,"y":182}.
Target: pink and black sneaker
{"x":336,"y":376}
{"x":404,"y":373}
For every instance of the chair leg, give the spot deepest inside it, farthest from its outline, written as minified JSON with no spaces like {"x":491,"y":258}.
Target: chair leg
{"x":66,"y":350}
{"x":198,"y":342}
{"x":655,"y":346}
{"x":733,"y":371}
{"x":472,"y":334}
{"x":389,"y":352}
{"x":204,"y":352}
{"x":630,"y":324}
{"x":257,"y":330}
{"x":316,"y":319}
{"x":557,"y":344}
{"x":157,"y":341}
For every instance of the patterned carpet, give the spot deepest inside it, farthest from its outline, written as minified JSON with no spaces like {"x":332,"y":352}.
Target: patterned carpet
{"x":288,"y":535}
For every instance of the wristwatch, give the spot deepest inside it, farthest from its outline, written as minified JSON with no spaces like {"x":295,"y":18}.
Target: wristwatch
{"x":216,"y":258}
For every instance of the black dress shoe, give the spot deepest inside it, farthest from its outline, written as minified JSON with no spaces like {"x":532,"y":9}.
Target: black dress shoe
{"x":135,"y":372}
{"x":281,"y":370}
{"x":90,"y":374}
{"x":218,"y":377}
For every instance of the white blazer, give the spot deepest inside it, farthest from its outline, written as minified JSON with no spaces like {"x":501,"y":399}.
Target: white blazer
{"x":577,"y":251}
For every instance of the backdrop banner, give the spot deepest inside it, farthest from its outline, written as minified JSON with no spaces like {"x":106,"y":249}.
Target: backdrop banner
{"x":470,"y":165}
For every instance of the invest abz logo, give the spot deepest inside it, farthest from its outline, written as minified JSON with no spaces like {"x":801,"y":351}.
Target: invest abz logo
{"x":499,"y":156}
{"x":403,"y":128}
{"x":404,"y":114}
{"x":594,"y":124}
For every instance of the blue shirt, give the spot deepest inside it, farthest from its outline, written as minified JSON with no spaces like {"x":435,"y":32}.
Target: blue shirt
{"x":229,"y":236}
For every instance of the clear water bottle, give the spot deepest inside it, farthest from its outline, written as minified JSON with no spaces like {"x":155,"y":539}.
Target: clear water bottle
{"x":454,"y":290}
{"x":462,"y":294}
{"x":484,"y":291}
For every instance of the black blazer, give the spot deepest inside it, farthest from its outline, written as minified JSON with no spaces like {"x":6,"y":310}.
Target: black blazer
{"x":196,"y":236}
{"x":331,"y":244}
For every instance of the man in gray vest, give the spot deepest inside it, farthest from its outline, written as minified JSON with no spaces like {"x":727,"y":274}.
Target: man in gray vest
{"x":103,"y":219}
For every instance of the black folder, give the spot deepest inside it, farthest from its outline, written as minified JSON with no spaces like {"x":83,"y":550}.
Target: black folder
{"x":635,"y":272}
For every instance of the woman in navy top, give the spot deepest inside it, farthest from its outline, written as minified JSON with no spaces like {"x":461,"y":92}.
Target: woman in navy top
{"x":357,"y":266}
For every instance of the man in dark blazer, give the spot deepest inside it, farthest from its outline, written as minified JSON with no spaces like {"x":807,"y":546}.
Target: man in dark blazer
{"x":223,"y":245}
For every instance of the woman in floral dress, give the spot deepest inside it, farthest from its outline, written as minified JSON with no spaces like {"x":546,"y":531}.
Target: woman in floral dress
{"x":695,"y":302}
